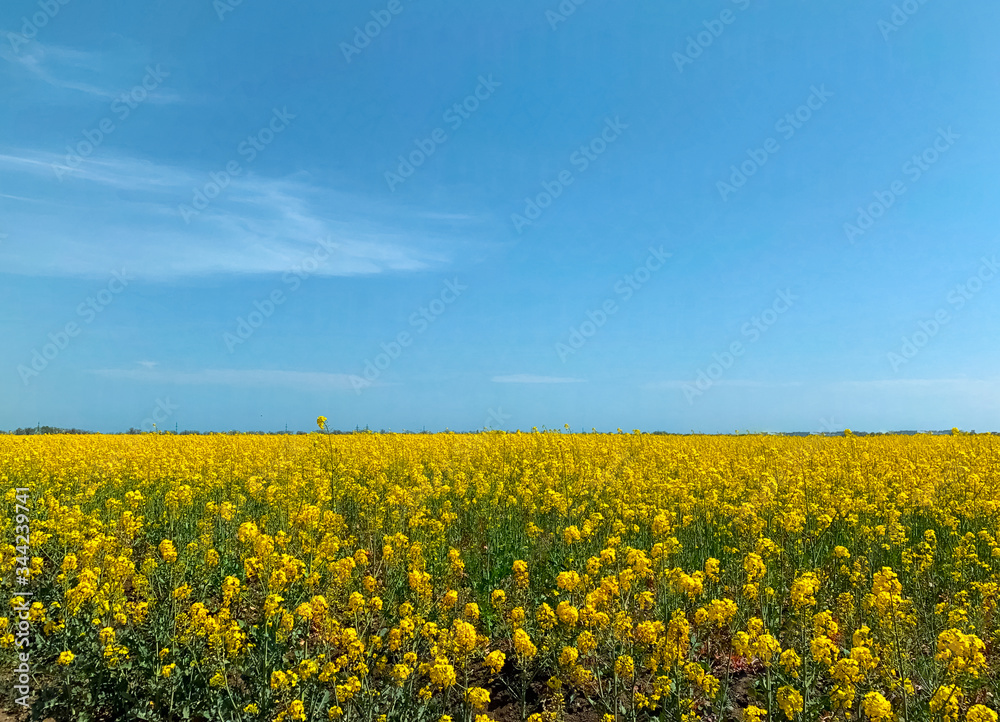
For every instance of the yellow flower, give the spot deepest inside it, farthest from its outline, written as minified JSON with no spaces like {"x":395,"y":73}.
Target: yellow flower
{"x":498,"y":598}
{"x":400,"y":673}
{"x":523,"y":644}
{"x":321,"y":422}
{"x":297,"y":710}
{"x":846,"y":672}
{"x":567,"y":613}
{"x":766,"y":647}
{"x":876,"y":707}
{"x":803,"y":589}
{"x":65,"y":658}
{"x":980,"y":713}
{"x":495,"y":661}
{"x":790,"y":662}
{"x":441,"y":673}
{"x":790,"y":701}
{"x":517,"y":617}
{"x":568,"y":580}
{"x":107,"y":636}
{"x":521,"y":573}
{"x":647,"y":632}
{"x":754,"y":566}
{"x":305,"y":610}
{"x":450,"y":599}
{"x":946,"y":702}
{"x":545,"y":617}
{"x":477,"y":697}
{"x":824,"y":650}
{"x":963,"y":653}
{"x":625,"y":667}
{"x":568,"y":656}
{"x":465,"y":636}
{"x":712,"y":569}
{"x":168,"y":551}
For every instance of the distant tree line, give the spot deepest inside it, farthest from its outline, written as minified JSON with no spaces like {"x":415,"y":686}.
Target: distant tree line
{"x":33,"y":430}
{"x":47,"y":430}
{"x":36,"y":430}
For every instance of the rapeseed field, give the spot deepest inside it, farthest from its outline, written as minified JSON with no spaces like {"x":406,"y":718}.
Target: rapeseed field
{"x":503,"y":576}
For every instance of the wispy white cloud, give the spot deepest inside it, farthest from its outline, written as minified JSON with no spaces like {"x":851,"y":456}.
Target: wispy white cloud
{"x":926,"y":384}
{"x":116,"y":211}
{"x":734,"y":383}
{"x":532,"y":379}
{"x":103,"y":74}
{"x":17,"y":198}
{"x":256,"y":378}
{"x":871,"y":386}
{"x":450,"y":216}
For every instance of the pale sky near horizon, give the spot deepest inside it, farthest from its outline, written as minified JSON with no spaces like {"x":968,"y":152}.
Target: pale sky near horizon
{"x":406,"y":214}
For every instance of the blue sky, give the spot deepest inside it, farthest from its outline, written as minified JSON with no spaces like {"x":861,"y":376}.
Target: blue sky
{"x":698,"y":216}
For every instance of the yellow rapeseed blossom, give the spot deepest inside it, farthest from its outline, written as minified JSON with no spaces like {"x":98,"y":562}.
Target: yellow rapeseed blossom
{"x":167,"y":551}
{"x":876,"y":707}
{"x":397,"y":572}
{"x":790,"y":701}
{"x":980,"y":713}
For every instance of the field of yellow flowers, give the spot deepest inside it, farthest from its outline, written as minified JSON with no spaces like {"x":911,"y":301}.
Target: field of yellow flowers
{"x":502,"y":576}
